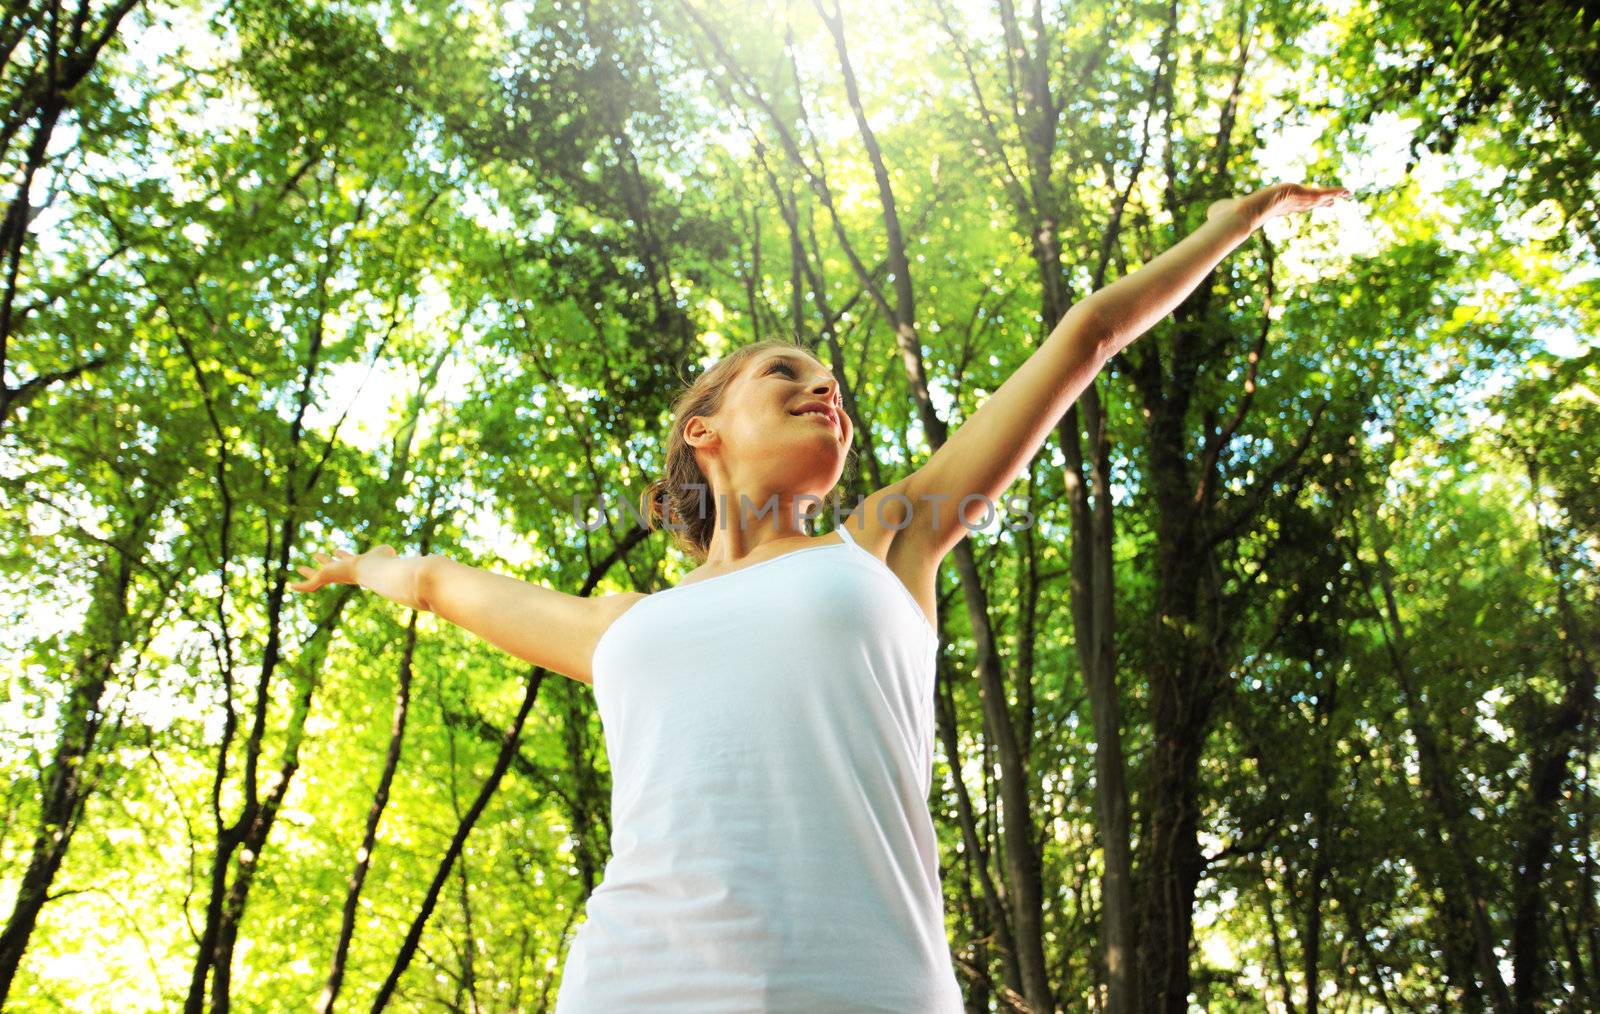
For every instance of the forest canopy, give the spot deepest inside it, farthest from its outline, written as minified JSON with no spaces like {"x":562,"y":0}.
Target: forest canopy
{"x":1284,"y":700}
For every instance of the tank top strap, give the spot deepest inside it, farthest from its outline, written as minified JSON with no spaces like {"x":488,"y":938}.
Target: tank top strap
{"x":862,"y":551}
{"x":850,"y":540}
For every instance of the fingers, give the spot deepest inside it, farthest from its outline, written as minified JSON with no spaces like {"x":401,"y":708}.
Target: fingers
{"x":313,"y":575}
{"x":1303,"y":190}
{"x":1299,"y":196}
{"x":312,"y":581}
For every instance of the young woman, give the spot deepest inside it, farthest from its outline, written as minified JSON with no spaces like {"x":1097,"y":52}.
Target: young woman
{"x":769,"y":719}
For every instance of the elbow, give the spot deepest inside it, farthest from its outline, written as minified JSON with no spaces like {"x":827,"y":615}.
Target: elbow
{"x":423,"y":581}
{"x":1103,"y":334}
{"x":1091,"y":330}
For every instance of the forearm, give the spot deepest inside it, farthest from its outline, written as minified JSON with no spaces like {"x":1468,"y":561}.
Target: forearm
{"x":1131,"y":305}
{"x":397,"y":578}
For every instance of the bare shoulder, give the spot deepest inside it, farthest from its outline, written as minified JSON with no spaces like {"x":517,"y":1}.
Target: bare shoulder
{"x":889,"y":528}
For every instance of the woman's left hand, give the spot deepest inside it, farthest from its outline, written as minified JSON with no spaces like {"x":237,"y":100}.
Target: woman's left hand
{"x":1279,"y":199}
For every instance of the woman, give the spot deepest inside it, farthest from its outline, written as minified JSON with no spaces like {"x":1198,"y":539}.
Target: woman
{"x":769,"y":719}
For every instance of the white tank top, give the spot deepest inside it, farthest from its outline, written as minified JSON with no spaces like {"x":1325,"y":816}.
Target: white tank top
{"x":770,"y":733}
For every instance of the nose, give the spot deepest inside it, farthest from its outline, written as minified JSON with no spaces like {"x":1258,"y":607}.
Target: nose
{"x":827,"y":386}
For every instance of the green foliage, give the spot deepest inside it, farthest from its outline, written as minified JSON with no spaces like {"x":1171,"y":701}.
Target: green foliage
{"x":297,"y":275}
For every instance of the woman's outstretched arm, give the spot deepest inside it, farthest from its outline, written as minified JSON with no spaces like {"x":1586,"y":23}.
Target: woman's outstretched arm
{"x":536,"y":624}
{"x":1132,"y":304}
{"x":994,"y":446}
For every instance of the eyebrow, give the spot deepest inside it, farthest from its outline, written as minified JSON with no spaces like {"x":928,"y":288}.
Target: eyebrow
{"x":790,"y":357}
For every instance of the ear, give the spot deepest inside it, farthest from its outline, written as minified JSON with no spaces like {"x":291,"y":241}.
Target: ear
{"x":697,"y":434}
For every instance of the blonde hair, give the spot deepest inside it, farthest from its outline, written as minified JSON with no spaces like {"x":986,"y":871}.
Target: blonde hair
{"x":684,"y":495}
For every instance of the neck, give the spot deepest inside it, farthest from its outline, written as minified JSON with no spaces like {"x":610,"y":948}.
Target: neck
{"x":747,"y":522}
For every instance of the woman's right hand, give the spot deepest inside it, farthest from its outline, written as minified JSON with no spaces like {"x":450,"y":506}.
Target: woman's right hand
{"x":337,"y":569}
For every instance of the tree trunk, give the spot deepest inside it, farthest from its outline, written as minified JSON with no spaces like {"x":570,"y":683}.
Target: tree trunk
{"x":1439,"y":783}
{"x":63,"y":58}
{"x":1092,"y":565}
{"x":1549,"y":770}
{"x":508,"y":749}
{"x":380,"y":801}
{"x":66,"y":789}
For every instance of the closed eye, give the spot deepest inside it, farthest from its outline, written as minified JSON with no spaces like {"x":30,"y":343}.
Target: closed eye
{"x":781,"y":366}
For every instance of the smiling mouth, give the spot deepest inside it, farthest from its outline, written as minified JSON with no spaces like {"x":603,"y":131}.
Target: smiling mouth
{"x":826,"y":417}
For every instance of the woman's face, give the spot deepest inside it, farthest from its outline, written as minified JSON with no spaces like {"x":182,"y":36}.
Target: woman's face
{"x":781,"y":427}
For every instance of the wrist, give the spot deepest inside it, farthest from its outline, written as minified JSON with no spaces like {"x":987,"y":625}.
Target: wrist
{"x":1237,"y":214}
{"x":1244,"y":217}
{"x":1255,"y":214}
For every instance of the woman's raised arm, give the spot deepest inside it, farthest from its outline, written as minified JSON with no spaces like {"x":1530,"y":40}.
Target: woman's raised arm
{"x":993,"y":447}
